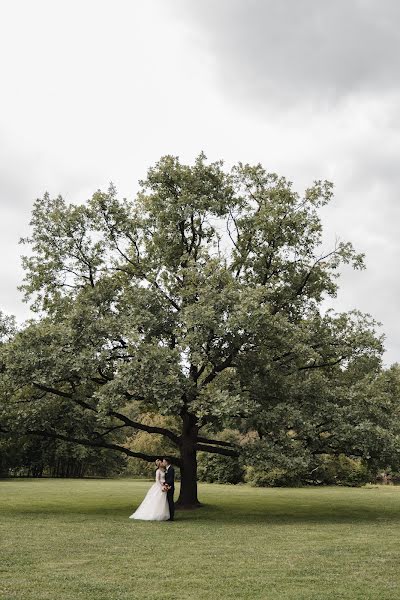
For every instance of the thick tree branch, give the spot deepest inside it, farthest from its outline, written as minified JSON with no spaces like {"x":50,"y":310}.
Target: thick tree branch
{"x":218,"y":369}
{"x":110,"y":430}
{"x":51,"y":390}
{"x":112,"y":413}
{"x":98,"y":443}
{"x":216,"y":450}
{"x":216,"y":442}
{"x":148,"y":428}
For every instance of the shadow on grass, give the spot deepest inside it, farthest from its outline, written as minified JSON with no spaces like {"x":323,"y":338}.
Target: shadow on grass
{"x":272,"y":514}
{"x":268,"y":513}
{"x":223,"y":504}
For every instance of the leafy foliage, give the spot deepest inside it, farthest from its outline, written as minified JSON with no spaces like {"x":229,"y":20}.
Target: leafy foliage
{"x":199,"y":301}
{"x":214,"y":468}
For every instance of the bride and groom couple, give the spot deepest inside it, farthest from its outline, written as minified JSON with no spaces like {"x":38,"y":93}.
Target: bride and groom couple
{"x":158,"y":504}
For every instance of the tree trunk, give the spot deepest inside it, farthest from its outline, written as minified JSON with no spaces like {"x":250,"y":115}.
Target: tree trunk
{"x":188,"y":492}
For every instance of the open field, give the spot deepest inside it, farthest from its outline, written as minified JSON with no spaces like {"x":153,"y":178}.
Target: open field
{"x":72,"y":539}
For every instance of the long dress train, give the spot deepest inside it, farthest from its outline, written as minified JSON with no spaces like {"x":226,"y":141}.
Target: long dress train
{"x":155,"y":505}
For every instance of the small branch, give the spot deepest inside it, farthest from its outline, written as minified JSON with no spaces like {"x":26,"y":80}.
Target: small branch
{"x":285,"y":355}
{"x":321,"y":365}
{"x":300,"y":289}
{"x":142,"y":274}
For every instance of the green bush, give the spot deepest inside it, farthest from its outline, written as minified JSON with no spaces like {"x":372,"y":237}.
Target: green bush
{"x":340,"y":470}
{"x":272,"y":477}
{"x":326,"y":470}
{"x":215,"y":468}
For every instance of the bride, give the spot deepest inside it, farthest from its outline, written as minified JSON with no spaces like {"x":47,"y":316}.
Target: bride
{"x":155,"y":505}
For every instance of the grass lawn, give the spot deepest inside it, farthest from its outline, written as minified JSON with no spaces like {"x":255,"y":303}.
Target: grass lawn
{"x":72,"y":539}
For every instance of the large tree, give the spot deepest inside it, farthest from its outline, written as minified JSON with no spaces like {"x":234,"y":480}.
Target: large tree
{"x":195,"y":300}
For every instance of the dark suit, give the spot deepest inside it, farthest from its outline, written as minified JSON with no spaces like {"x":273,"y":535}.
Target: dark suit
{"x":170,"y":479}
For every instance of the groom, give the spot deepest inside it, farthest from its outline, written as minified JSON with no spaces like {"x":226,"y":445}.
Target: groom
{"x":170,"y":480}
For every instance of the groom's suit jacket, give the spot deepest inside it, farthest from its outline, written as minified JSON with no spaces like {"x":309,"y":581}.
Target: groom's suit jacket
{"x":170,"y":477}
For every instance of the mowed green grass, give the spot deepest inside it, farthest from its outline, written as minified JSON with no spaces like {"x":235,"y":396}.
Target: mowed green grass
{"x":72,"y":539}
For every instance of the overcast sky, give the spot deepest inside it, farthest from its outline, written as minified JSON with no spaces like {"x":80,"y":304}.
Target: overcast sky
{"x":96,"y":91}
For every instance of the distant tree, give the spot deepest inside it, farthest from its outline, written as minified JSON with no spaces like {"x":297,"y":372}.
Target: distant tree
{"x":198,"y":300}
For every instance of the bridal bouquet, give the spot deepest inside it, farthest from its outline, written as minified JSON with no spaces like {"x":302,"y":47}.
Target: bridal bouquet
{"x":165,"y":487}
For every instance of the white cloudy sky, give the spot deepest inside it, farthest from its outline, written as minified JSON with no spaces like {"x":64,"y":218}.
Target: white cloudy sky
{"x":93,"y":91}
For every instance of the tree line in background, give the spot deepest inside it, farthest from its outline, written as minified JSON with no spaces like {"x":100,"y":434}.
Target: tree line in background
{"x":189,"y":322}
{"x":30,"y":457}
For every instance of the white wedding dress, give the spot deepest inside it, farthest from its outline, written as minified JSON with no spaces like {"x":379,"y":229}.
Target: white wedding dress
{"x":155,"y":505}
